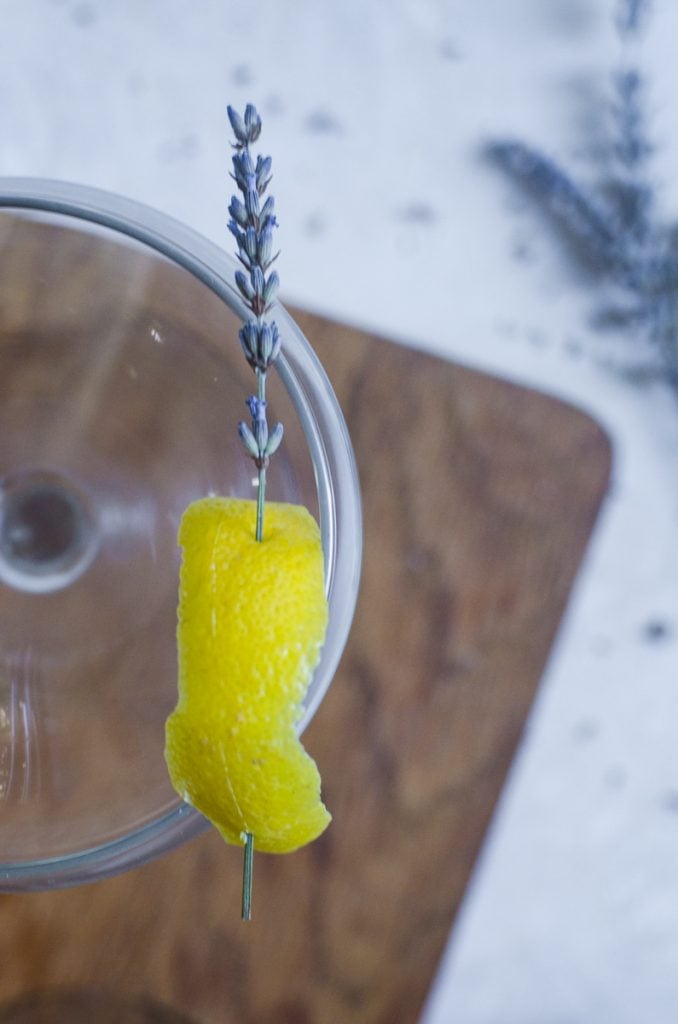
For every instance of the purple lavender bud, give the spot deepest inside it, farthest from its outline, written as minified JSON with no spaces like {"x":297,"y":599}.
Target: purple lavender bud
{"x":252,"y":203}
{"x":263,"y":173}
{"x":252,"y":122}
{"x":277,"y":342}
{"x":250,"y":244}
{"x":266,"y":217}
{"x":249,"y":338}
{"x":238,"y":212}
{"x":238,"y":125}
{"x":236,"y":232}
{"x":248,"y":440}
{"x":237,"y":175}
{"x":271,"y":289}
{"x":240,"y":241}
{"x":265,"y":246}
{"x":243,"y":169}
{"x":258,"y":280}
{"x":244,"y":286}
{"x":265,"y":346}
{"x":261,"y":434}
{"x":244,"y":161}
{"x":257,"y":409}
{"x":274,"y":440}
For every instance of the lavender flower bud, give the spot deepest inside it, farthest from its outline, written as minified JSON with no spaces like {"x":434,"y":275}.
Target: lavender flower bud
{"x":249,"y":338}
{"x":277,"y":342}
{"x":244,"y":286}
{"x":265,"y":344}
{"x":244,"y":171}
{"x":238,"y":125}
{"x":261,"y":435}
{"x":265,"y":247}
{"x":252,"y":123}
{"x":274,"y":440}
{"x":250,"y":244}
{"x":238,"y":212}
{"x":263,"y":173}
{"x":240,"y":241}
{"x":260,"y":344}
{"x":252,"y":203}
{"x":257,"y":408}
{"x":266,"y":217}
{"x":237,"y":233}
{"x":258,"y":280}
{"x":271,"y":289}
{"x":248,"y":440}
{"x":244,"y":161}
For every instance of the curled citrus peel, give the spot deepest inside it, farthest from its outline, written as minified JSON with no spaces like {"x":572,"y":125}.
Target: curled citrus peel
{"x":252,"y":619}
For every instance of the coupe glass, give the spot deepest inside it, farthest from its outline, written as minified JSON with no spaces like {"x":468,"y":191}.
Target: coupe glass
{"x":121,"y":384}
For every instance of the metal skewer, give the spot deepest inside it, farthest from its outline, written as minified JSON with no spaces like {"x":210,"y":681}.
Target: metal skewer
{"x":248,"y":858}
{"x":252,"y":223}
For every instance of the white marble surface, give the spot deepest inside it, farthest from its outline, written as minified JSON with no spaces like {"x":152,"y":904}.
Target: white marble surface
{"x":375,"y":112}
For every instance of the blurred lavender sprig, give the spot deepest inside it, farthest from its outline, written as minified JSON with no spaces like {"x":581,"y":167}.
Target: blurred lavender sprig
{"x":614,"y":228}
{"x":631,"y":16}
{"x":586,"y":218}
{"x":252,"y":224}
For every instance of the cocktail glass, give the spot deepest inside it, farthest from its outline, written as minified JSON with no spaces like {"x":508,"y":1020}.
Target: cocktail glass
{"x":121,"y":385}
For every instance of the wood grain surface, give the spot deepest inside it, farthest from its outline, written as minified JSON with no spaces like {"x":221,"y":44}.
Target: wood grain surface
{"x":479,"y":499}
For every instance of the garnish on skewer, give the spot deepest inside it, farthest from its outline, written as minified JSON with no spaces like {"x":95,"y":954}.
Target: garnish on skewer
{"x":252,"y":606}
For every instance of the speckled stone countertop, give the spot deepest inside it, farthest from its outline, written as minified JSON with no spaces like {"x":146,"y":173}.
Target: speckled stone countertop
{"x":377,"y":114}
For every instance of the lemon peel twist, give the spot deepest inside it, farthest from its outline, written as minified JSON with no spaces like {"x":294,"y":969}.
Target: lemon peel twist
{"x":252,"y":619}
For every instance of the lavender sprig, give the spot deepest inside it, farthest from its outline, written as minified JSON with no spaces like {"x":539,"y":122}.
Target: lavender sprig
{"x":587,"y":218}
{"x":615,"y":227}
{"x":252,"y":224}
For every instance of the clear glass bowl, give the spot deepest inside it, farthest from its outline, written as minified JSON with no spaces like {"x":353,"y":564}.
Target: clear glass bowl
{"x":121,"y":384}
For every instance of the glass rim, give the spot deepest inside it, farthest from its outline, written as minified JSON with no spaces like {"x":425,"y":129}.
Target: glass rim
{"x":334,"y":466}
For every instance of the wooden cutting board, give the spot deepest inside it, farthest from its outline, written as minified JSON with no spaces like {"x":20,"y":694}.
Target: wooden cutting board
{"x":479,"y":498}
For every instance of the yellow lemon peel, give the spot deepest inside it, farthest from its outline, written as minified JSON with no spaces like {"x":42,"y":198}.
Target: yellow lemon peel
{"x":252,"y":620}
